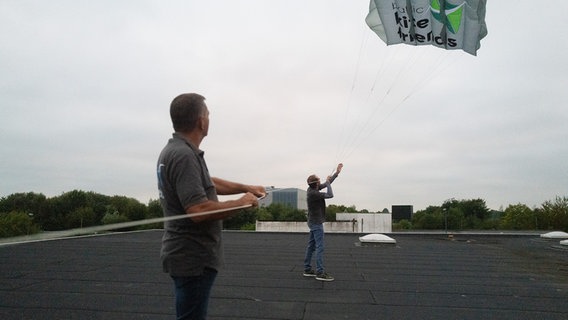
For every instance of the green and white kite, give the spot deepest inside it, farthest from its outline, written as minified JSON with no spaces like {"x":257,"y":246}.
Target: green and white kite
{"x":449,"y":24}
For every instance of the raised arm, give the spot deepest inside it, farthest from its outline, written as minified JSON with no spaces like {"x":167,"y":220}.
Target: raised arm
{"x":331,"y":178}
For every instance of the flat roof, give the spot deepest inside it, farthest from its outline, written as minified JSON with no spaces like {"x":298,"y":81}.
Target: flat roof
{"x":422,"y":276}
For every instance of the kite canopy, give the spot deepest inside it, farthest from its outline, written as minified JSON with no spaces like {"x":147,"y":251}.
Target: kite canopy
{"x":449,"y":24}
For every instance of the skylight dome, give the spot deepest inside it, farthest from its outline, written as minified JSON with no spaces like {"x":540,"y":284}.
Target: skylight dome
{"x":376,"y":238}
{"x":555,"y":235}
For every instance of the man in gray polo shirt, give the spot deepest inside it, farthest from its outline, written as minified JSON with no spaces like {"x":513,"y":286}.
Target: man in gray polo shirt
{"x":192,"y":250}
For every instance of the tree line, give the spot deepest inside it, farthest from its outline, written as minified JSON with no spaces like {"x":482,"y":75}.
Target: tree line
{"x":29,"y":213}
{"x":473,"y":214}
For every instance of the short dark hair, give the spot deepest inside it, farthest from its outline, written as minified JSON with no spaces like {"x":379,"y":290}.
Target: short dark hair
{"x":313,"y":180}
{"x":185,"y":111}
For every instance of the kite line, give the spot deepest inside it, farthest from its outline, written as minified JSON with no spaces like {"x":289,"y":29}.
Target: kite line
{"x":402,"y":73}
{"x":419,"y":23}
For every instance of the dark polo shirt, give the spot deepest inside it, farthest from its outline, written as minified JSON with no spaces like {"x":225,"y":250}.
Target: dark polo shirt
{"x":184,"y":181}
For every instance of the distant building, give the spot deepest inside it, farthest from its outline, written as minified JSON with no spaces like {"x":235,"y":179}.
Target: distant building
{"x":293,"y":197}
{"x":346,"y":223}
{"x":402,"y":212}
{"x":367,"y":222}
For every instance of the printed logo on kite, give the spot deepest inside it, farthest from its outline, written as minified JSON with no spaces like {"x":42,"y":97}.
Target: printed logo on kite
{"x":453,"y":15}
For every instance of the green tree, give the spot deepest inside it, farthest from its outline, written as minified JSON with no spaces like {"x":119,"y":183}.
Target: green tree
{"x":453,"y":219}
{"x":80,"y":218}
{"x":519,"y":217}
{"x":17,"y":223}
{"x":295,"y":215}
{"x":129,"y":207}
{"x":61,"y":206}
{"x":332,"y":210}
{"x":471,"y":213}
{"x":429,"y":218}
{"x":34,"y":204}
{"x":154,"y":211}
{"x":554,"y":214}
{"x":402,"y":225}
{"x":278,"y":211}
{"x":98,"y":202}
{"x":29,"y":202}
{"x":246,"y":217}
{"x":72,"y":200}
{"x":475,"y":208}
{"x":263,"y":214}
{"x":112,"y":218}
{"x":426,"y":220}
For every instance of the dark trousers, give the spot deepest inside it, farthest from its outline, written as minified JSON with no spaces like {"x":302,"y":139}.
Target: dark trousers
{"x":192,"y":295}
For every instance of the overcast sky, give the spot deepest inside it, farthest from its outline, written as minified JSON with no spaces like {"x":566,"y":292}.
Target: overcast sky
{"x":293,"y":87}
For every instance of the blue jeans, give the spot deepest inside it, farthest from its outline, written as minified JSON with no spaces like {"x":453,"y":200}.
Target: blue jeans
{"x":192,"y":295}
{"x":316,"y":244}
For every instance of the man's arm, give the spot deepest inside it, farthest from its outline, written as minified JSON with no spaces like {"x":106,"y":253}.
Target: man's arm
{"x":225,"y":187}
{"x":210,"y":205}
{"x":329,"y":193}
{"x":331,"y":178}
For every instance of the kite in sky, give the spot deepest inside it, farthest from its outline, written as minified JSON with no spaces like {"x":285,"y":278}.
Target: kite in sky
{"x":449,"y":24}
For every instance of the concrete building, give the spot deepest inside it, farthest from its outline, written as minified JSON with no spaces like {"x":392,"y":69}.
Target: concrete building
{"x":367,"y":222}
{"x":346,"y":223}
{"x":293,"y":197}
